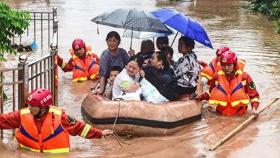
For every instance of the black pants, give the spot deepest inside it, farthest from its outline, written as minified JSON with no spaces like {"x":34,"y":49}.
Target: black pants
{"x":186,"y":90}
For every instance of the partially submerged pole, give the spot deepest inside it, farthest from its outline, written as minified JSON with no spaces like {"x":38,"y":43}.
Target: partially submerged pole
{"x":239,"y":128}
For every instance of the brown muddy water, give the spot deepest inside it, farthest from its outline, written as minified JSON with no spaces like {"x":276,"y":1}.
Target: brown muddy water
{"x":228,"y":22}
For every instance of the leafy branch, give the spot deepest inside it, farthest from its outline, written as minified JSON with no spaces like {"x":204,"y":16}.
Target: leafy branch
{"x":12,"y":22}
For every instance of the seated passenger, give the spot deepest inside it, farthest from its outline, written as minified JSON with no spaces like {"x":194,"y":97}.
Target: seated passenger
{"x":109,"y":85}
{"x":168,"y":51}
{"x":113,"y":56}
{"x":162,"y":42}
{"x":160,"y":75}
{"x":146,"y":50}
{"x":186,"y":69}
{"x":126,"y":85}
{"x":83,"y":63}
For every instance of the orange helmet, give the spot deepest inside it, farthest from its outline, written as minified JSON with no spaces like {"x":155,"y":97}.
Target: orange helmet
{"x":40,"y":97}
{"x":78,"y":44}
{"x":221,"y":50}
{"x":228,"y":57}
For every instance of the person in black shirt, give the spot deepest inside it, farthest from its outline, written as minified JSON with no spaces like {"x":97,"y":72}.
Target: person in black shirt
{"x":162,"y":42}
{"x":160,"y":75}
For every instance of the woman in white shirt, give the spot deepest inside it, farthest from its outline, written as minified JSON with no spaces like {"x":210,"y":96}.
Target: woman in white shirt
{"x":126,"y":85}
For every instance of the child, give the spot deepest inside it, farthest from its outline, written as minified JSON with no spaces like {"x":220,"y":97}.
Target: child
{"x":186,"y":69}
{"x":109,"y":86}
{"x":83,"y":63}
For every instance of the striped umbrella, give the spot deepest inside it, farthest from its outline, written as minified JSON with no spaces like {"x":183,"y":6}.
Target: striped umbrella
{"x":132,"y":19}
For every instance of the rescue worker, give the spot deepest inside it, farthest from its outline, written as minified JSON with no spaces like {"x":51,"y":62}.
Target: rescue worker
{"x":232,"y":89}
{"x":209,"y":71}
{"x":42,"y":127}
{"x":83,"y":63}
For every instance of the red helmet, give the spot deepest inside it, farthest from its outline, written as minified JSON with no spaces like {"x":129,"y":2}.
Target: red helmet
{"x":40,"y":97}
{"x":78,"y":44}
{"x":228,"y":57}
{"x":221,"y":50}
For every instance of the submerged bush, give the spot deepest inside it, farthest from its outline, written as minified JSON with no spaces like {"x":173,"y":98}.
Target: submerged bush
{"x":268,"y":7}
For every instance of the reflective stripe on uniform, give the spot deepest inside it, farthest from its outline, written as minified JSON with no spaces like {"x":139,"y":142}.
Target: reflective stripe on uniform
{"x":61,"y":150}
{"x":242,"y":61}
{"x":74,"y":56}
{"x":240,"y":72}
{"x":245,"y":101}
{"x":85,"y":130}
{"x":255,"y":100}
{"x":28,"y":148}
{"x":217,"y":102}
{"x":93,"y":76}
{"x":80,"y":79}
{"x":221,"y":73}
{"x":24,"y":111}
{"x":56,"y":111}
{"x":216,"y":82}
{"x":206,"y":76}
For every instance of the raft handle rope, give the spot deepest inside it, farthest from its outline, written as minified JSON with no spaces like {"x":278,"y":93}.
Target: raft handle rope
{"x":115,"y":134}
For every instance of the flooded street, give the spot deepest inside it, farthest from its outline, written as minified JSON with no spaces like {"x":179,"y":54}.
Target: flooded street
{"x":227,"y":22}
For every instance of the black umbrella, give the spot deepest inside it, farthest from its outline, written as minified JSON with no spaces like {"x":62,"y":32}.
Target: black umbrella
{"x":132,"y":19}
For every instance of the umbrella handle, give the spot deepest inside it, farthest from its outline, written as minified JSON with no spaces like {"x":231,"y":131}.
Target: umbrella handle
{"x":174,"y":39}
{"x":131,"y":39}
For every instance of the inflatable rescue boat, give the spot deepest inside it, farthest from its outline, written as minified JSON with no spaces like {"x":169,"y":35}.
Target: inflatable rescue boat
{"x":138,"y":117}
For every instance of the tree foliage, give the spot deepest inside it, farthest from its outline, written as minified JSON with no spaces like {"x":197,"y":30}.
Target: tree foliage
{"x":268,"y":7}
{"x":12,"y":22}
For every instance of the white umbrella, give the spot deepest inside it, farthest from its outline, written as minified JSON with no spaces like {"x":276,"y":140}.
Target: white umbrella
{"x":144,"y":35}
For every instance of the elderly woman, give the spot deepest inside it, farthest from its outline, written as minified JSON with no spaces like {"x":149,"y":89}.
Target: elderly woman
{"x":113,"y":56}
{"x":160,"y":75}
{"x":126,"y":85}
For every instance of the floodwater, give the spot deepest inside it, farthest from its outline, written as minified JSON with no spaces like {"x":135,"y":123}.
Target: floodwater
{"x":227,"y":22}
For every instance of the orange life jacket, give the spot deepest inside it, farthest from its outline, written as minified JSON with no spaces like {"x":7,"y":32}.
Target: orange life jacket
{"x":53,"y":137}
{"x":230,"y":95}
{"x":82,"y":71}
{"x":210,"y":70}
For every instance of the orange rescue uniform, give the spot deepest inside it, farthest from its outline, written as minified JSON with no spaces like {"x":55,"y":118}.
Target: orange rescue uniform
{"x":84,"y":68}
{"x":232,"y":93}
{"x":49,"y":133}
{"x":209,"y":71}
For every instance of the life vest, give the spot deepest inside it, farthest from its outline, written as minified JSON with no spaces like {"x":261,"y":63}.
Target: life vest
{"x":82,"y":71}
{"x":230,"y":95}
{"x":210,"y":70}
{"x":53,"y":137}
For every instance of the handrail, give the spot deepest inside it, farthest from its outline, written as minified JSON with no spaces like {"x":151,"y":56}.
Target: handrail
{"x":39,"y":60}
{"x":10,"y":69}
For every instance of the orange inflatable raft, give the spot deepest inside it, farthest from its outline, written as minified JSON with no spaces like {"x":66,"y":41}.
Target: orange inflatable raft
{"x":138,"y":117}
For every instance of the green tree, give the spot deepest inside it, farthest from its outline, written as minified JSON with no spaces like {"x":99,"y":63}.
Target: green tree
{"x":12,"y":22}
{"x":270,"y":8}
